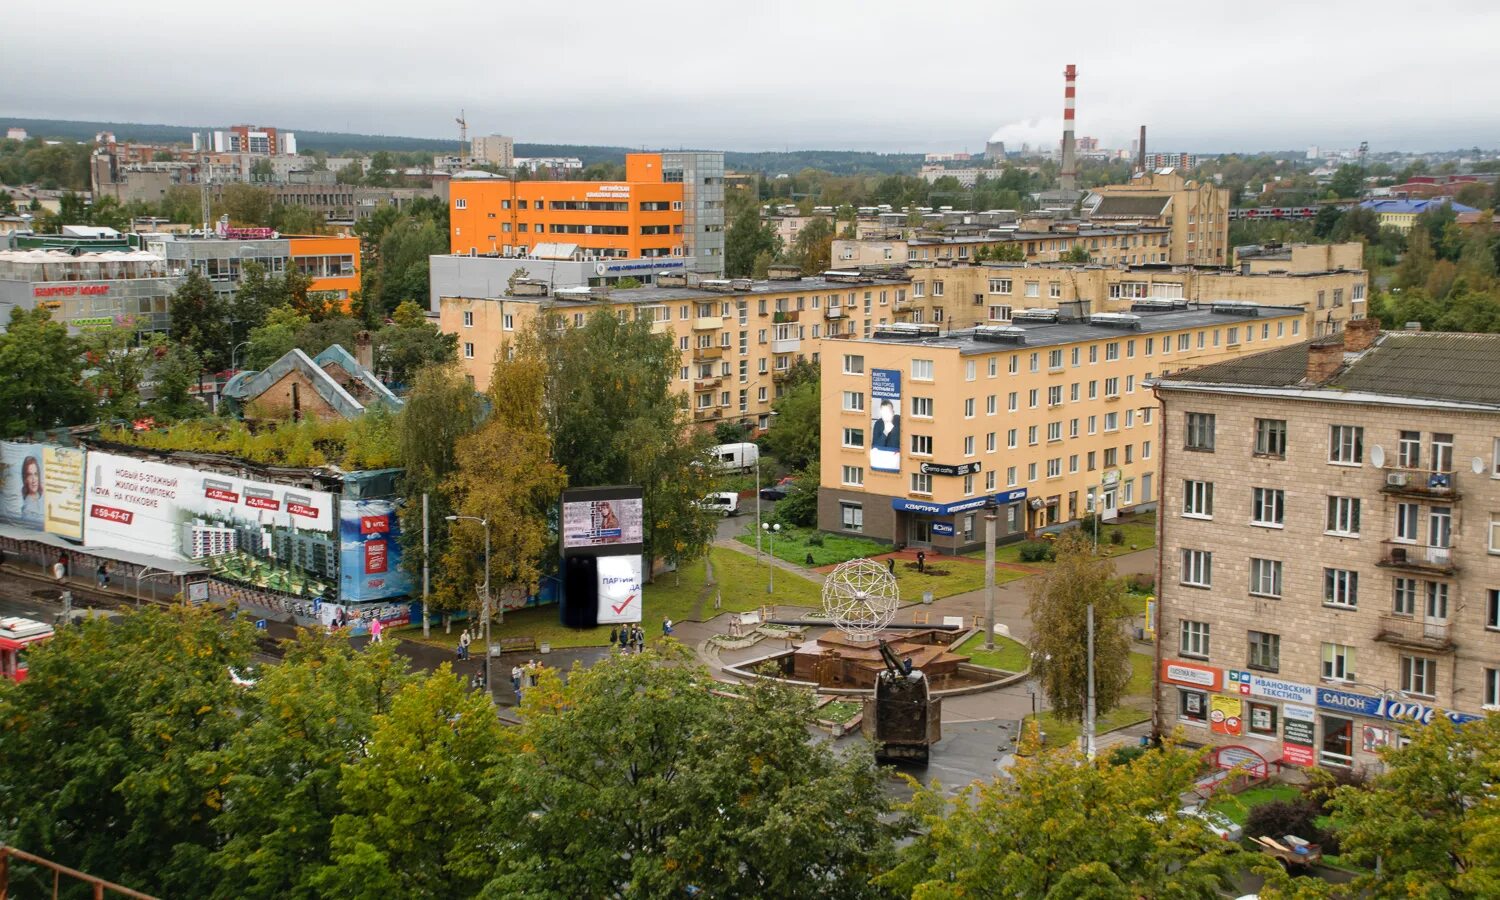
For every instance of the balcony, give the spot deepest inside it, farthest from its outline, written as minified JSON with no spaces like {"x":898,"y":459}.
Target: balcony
{"x":904,"y":305}
{"x":790,"y":315}
{"x":786,"y":345}
{"x":833,"y":312}
{"x":1432,"y":635}
{"x":707,"y":384}
{"x":1422,"y":484}
{"x":701,"y":353}
{"x":1417,"y":558}
{"x":661,"y":326}
{"x":780,"y":375}
{"x":710,"y":412}
{"x":708,"y":323}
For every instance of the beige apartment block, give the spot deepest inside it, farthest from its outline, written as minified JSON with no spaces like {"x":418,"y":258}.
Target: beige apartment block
{"x":1196,"y":213}
{"x":1330,"y":545}
{"x":967,"y":295}
{"x":1046,"y":416}
{"x":739,"y":338}
{"x":1128,"y":245}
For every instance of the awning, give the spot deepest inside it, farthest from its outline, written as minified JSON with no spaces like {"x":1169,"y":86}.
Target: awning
{"x":174,"y":566}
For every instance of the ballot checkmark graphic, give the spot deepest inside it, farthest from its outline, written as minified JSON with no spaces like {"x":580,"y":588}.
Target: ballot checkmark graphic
{"x":623,"y":604}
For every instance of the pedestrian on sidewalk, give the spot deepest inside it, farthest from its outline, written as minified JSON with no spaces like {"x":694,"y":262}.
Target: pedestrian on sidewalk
{"x":377,"y":629}
{"x":515,"y":679}
{"x":101,"y":574}
{"x":60,"y":568}
{"x":666,"y":627}
{"x":463,"y":644}
{"x":625,"y":639}
{"x":614,"y":636}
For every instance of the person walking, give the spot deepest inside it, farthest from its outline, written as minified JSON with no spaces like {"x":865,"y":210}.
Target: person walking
{"x":614,"y":636}
{"x":101,"y":574}
{"x":625,"y":639}
{"x":666,"y":627}
{"x":463,"y":644}
{"x":515,"y":678}
{"x":376,"y":630}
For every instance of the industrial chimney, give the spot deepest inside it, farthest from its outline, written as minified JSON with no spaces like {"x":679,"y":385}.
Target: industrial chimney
{"x":1140,"y":160}
{"x":1068,"y":178}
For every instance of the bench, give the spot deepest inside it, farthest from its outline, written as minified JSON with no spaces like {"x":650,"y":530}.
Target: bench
{"x":510,"y":644}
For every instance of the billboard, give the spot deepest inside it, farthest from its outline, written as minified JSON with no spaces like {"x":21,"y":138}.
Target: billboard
{"x":42,"y":488}
{"x":885,"y":426}
{"x":370,"y":550}
{"x":258,"y":533}
{"x":619,"y":589}
{"x":602,"y":523}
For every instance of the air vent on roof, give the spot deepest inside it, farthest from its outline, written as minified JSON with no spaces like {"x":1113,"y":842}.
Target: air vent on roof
{"x":671,"y":279}
{"x":717,"y":284}
{"x":742,"y":284}
{"x":1000,"y":334}
{"x":1235,"y":308}
{"x":1150,"y":304}
{"x":1035,"y":315}
{"x":847,"y":275}
{"x":1115,"y":320}
{"x":907,"y":331}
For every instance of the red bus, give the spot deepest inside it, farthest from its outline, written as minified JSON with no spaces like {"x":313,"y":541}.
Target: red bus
{"x":16,"y":634}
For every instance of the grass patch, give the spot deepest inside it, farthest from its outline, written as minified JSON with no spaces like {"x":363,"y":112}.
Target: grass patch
{"x":793,"y":545}
{"x":961,"y":576}
{"x":1237,"y":806}
{"x":740,"y":578}
{"x":1009,"y":655}
{"x":1139,"y":530}
{"x":841,"y":711}
{"x":1134,"y":709}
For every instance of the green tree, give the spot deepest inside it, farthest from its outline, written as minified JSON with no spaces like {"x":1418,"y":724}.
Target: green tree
{"x":1078,"y":254}
{"x":262,"y":170}
{"x":404,"y":252}
{"x":795,"y":428}
{"x":1348,"y":181}
{"x":813,"y":248}
{"x":633,"y":780}
{"x":1416,"y":264}
{"x":196,"y":319}
{"x":800,"y":505}
{"x":245,"y":205}
{"x":1059,"y":828}
{"x":1058,"y":612}
{"x":271,"y":341}
{"x":118,"y":365}
{"x":41,"y":374}
{"x":292,"y":218}
{"x":747,"y":236}
{"x":410,"y":343}
{"x":1010,"y":251}
{"x":256,"y":295}
{"x":175,"y":372}
{"x":419,"y":798}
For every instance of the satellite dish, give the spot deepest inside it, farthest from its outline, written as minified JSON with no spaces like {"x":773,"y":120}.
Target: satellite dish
{"x":1377,"y":455}
{"x":1478,"y":465}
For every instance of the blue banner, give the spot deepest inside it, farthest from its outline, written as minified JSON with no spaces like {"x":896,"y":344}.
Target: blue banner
{"x":1385,"y":707}
{"x":370,"y":551}
{"x":947,"y":509}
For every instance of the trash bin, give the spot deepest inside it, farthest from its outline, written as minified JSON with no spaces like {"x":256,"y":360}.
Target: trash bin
{"x":545,"y":647}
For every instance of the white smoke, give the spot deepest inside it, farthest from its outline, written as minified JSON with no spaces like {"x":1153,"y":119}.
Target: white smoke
{"x":1036,"y":132}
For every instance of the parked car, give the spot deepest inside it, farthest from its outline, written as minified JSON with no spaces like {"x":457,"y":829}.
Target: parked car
{"x":734,"y":457}
{"x":777,"y":491}
{"x":725,"y":503}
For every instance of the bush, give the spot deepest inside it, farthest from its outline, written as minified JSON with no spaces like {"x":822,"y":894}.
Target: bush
{"x":815,"y":539}
{"x":1117,"y":537}
{"x":800,"y":506}
{"x":1141,"y":583}
{"x":1127,"y":754}
{"x":1087,"y":524}
{"x":1279,"y":817}
{"x":1037,"y":551}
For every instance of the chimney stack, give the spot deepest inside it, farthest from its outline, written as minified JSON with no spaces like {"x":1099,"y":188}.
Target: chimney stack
{"x":1360,"y":334}
{"x":1140,"y":160}
{"x":1324,"y":358}
{"x":1068,"y":177}
{"x":364,"y":352}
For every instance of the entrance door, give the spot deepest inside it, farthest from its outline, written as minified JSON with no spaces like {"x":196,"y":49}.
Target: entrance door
{"x":1109,"y":511}
{"x":919,"y":532}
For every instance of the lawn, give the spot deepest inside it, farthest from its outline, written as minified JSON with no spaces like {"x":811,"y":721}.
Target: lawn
{"x":741,"y":580}
{"x":840,"y":711}
{"x":793,"y":544}
{"x":1238,"y":806}
{"x":1139,"y":532}
{"x":1008,"y":656}
{"x":961,"y":576}
{"x":1135,"y":708}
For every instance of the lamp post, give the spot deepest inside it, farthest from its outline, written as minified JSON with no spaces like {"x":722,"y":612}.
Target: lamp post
{"x":1089,"y":748}
{"x":989,"y":572}
{"x":771,"y":530}
{"x":488,"y":685}
{"x":234,"y":354}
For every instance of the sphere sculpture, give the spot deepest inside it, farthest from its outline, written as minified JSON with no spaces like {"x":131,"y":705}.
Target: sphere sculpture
{"x":861,"y":598}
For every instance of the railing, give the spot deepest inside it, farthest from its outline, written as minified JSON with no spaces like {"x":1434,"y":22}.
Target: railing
{"x":708,"y":352}
{"x":1433,"y":484}
{"x":708,"y":323}
{"x":1417,"y":557}
{"x":1420,"y":634}
{"x":833,"y":312}
{"x":786,"y":345}
{"x":707,"y":384}
{"x":790,"y":315}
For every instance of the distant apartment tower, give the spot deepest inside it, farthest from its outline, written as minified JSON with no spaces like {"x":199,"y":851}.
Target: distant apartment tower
{"x":201,"y":540}
{"x":494,"y":150}
{"x":256,"y":140}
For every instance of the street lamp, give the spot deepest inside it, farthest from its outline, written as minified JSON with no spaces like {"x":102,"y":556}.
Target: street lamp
{"x":234,"y":354}
{"x":771,"y":530}
{"x":990,"y":508}
{"x":486,"y":601}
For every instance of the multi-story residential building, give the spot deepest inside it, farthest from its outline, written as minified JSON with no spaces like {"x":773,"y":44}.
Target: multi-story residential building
{"x":256,"y":140}
{"x":1327,"y":281}
{"x":1196,"y":213}
{"x":739,"y":339}
{"x":1038,"y":241}
{"x":1048,"y":415}
{"x":1330,"y":544}
{"x":669,"y":205}
{"x":494,"y":149}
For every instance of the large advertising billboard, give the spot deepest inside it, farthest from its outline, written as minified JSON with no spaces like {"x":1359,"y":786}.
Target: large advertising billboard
{"x":619,"y":589}
{"x":370,"y":550}
{"x":42,"y":487}
{"x":601,"y":523}
{"x":267,"y":535}
{"x":885,"y":427}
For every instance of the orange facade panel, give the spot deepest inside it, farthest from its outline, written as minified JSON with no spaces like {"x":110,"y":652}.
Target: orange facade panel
{"x":331,"y":262}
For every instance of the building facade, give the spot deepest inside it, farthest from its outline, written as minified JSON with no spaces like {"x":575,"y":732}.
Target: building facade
{"x":1330,"y":544}
{"x":99,"y":289}
{"x":256,"y":140}
{"x":1048,"y":415}
{"x":1129,"y":245}
{"x":494,"y":149}
{"x":332,"y":262}
{"x":1196,"y":213}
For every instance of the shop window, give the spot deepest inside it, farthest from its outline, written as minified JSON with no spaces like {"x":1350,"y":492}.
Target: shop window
{"x":1192,"y":706}
{"x":1338,"y":741}
{"x":1262,"y":720}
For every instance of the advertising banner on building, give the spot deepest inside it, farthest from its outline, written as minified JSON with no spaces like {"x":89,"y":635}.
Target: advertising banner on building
{"x":601,"y":523}
{"x":1297,"y":735}
{"x":1254,"y":684}
{"x":41,"y":487}
{"x":357,"y":617}
{"x":370,"y":550}
{"x":1192,"y":674}
{"x":264,"y":531}
{"x":885,"y":427}
{"x":1225,"y":713}
{"x":619,"y":589}
{"x":1386,"y":707}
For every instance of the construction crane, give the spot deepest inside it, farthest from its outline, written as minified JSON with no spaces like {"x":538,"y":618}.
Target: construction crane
{"x":463,"y":135}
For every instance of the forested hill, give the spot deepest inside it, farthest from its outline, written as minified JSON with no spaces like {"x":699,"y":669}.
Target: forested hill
{"x":335,"y":143}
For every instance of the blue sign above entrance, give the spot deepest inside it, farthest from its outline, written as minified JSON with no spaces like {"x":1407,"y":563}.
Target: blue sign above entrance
{"x":1385,"y":707}
{"x":942,"y":528}
{"x":947,"y":509}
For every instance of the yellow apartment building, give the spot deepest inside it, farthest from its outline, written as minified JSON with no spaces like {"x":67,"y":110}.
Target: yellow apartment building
{"x":1047,"y":415}
{"x":739,"y":338}
{"x":1196,"y":213}
{"x":1106,"y":245}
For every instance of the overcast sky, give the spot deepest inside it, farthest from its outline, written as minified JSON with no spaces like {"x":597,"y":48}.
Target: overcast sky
{"x":875,"y":74}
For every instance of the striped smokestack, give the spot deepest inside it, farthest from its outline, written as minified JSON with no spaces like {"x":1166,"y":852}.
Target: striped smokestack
{"x":1068,"y":178}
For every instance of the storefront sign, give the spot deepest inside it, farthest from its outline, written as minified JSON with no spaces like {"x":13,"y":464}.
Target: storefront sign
{"x":1192,"y":674}
{"x":942,"y":528}
{"x":1254,"y":684}
{"x":1297,"y":735}
{"x":968,"y":468}
{"x":1385,"y":707}
{"x":653,"y":266}
{"x":70,"y":290}
{"x":1224,"y":714}
{"x":1003,"y":498}
{"x":610,"y":191}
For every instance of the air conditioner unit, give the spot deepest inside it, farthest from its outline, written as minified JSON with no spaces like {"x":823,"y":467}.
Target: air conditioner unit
{"x":1396,"y":479}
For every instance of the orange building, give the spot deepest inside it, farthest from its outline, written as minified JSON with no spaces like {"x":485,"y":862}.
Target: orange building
{"x":640,"y":217}
{"x":331,"y":262}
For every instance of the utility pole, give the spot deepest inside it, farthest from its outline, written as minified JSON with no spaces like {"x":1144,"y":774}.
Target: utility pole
{"x":989,"y":574}
{"x":426,"y":625}
{"x":1088,"y":714}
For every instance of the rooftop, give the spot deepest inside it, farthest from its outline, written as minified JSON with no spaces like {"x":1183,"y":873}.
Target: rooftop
{"x":1402,"y":205}
{"x":1438,"y":366}
{"x":1132,"y":205}
{"x":651,"y":293}
{"x":1083,"y":231}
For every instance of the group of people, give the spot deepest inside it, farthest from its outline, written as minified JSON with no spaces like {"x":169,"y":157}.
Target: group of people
{"x":631,"y":638}
{"x":524,"y":675}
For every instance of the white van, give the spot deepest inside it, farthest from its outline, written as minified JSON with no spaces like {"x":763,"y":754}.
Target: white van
{"x":726,"y":503}
{"x":734,"y":457}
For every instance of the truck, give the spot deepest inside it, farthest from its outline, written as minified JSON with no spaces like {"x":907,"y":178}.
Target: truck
{"x":903,"y":720}
{"x":734,"y":457}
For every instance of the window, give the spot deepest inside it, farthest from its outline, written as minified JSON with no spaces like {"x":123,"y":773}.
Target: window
{"x":1054,"y":467}
{"x":1111,"y":457}
{"x":508,"y":322}
{"x":1404,"y":599}
{"x":1492,"y":688}
{"x":1268,"y":507}
{"x":1265,"y":651}
{"x":1012,"y":402}
{"x":921,"y":406}
{"x":999,"y":285}
{"x":1409,"y":450}
{"x":1111,"y":421}
{"x":1338,"y":662}
{"x":1343,"y":516}
{"x":468,"y":319}
{"x":854,"y":437}
{"x":1406,"y":521}
{"x":468,"y":351}
{"x":852,"y":516}
{"x":969,"y":408}
{"x":1198,"y":499}
{"x":1495,"y":532}
{"x":1346,"y":444}
{"x":854,"y":475}
{"x":1200,"y":431}
{"x":921,"y":484}
{"x":921,"y":444}
{"x":1054,"y":431}
{"x":1013,"y":364}
{"x":1265,"y":577}
{"x":1340,"y":588}
{"x":1440,"y":527}
{"x":1010,"y":439}
{"x":1492,"y":611}
{"x":1032,"y":398}
{"x":989,"y":442}
{"x":1112,"y":351}
{"x":1419,"y":676}
{"x":921,"y":369}
{"x":1054,"y":395}
{"x":971,"y":370}
{"x":854,"y":365}
{"x":969,"y":445}
{"x":989,"y":405}
{"x":1194,"y":640}
{"x":1270,"y":438}
{"x":1031,"y":433}
{"x":1033,"y":288}
{"x":1338,"y":741}
{"x":854,"y":401}
{"x":1111,"y":387}
{"x":1262,"y":720}
{"x":1197,"y":568}
{"x":968,"y":485}
{"x":1192,"y":706}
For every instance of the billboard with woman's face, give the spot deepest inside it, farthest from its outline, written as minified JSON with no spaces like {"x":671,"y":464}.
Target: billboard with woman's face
{"x":41,"y":487}
{"x":885,"y":427}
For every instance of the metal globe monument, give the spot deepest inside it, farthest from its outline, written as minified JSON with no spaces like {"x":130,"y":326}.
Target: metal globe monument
{"x":861,"y":597}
